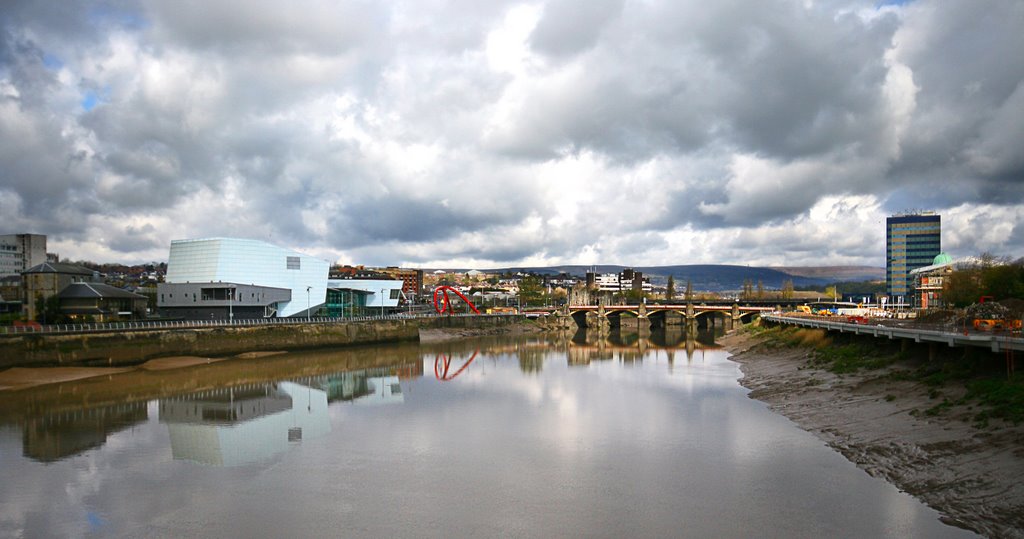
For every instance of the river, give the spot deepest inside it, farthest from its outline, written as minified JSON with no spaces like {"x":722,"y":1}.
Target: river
{"x":524,"y":437}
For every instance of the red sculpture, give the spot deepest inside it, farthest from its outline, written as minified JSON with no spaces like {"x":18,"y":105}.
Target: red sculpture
{"x":442,"y":303}
{"x":442,"y":362}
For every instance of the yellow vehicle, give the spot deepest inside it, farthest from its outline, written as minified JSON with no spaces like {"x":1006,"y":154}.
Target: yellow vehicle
{"x":992,"y":324}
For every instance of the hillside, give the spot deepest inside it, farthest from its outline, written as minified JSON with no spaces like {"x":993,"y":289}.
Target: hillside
{"x":719,"y":277}
{"x":836,"y":273}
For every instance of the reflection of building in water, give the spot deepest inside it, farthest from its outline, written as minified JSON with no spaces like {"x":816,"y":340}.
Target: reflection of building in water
{"x":371,"y":386}
{"x":241,"y":425}
{"x":382,"y":390}
{"x":53,"y":437}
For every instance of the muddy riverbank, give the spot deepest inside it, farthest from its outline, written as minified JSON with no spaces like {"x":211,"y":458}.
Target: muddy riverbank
{"x":970,"y":473}
{"x":431,"y":335}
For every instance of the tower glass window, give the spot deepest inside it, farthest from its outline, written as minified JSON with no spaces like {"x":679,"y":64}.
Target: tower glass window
{"x":911,"y":241}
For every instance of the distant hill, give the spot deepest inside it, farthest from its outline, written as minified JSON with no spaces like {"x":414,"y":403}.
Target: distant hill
{"x":837,"y":273}
{"x":716,"y":277}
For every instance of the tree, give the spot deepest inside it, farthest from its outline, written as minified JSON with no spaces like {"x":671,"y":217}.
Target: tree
{"x":962,"y":286}
{"x":689,"y":290}
{"x":748,"y":289}
{"x":559,"y":295}
{"x":670,"y":288}
{"x":760,"y":289}
{"x":989,"y":276}
{"x":832,"y":292}
{"x":1004,"y":281}
{"x":633,"y":296}
{"x":48,"y":310}
{"x":531,"y":291}
{"x":787,"y":289}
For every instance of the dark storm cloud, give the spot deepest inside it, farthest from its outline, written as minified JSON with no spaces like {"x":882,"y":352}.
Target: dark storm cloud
{"x":406,"y":220}
{"x":504,"y":131}
{"x":967,"y":127}
{"x":37,"y":156}
{"x":131,"y":239}
{"x":772,"y":77}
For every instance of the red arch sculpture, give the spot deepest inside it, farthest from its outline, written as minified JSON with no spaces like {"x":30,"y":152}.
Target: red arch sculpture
{"x":442,"y":363}
{"x":443,"y":304}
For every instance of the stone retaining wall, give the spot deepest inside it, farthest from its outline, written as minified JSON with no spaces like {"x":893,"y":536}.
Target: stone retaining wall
{"x":132,"y":347}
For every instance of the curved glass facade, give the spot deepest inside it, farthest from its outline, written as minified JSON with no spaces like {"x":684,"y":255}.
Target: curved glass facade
{"x":253,"y":262}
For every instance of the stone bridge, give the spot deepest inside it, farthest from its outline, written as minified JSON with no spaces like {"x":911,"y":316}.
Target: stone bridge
{"x":643,"y":316}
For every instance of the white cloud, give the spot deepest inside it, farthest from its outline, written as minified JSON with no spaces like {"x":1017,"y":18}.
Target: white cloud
{"x":506,"y":133}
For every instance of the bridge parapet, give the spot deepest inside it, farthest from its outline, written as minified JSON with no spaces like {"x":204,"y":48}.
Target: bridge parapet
{"x":678,"y":314}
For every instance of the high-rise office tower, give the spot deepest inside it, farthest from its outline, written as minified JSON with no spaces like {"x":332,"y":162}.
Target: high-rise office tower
{"x":912,"y":240}
{"x":19,"y":252}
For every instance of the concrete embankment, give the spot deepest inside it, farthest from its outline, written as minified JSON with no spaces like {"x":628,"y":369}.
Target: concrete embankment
{"x":133,"y":347}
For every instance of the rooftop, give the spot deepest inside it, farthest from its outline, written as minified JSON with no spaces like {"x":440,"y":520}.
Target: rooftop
{"x":57,"y":267}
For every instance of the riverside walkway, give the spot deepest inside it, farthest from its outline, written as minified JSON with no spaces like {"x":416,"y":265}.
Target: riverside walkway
{"x":996,"y":342}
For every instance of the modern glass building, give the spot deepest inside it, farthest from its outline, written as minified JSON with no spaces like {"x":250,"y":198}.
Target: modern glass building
{"x":211,"y":277}
{"x":362,"y":297}
{"x":912,"y":241}
{"x":232,"y":278}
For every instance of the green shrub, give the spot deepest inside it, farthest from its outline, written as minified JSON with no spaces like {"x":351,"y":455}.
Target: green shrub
{"x":1004,"y":399}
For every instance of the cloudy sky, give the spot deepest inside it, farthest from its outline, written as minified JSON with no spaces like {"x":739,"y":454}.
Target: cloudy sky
{"x":489,"y":133}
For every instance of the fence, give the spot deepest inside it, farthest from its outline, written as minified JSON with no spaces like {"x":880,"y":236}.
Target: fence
{"x":200,"y":324}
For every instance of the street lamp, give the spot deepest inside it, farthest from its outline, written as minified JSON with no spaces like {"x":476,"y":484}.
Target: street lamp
{"x":231,"y":297}
{"x":382,"y":303}
{"x":307,"y":302}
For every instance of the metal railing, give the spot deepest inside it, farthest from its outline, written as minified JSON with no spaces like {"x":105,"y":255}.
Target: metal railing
{"x":994,"y":341}
{"x":203,"y":324}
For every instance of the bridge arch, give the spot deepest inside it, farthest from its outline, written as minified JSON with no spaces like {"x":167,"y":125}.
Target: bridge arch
{"x":664,"y":317}
{"x":709,"y":318}
{"x":748,"y":316}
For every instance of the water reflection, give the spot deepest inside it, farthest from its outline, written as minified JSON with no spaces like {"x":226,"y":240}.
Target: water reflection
{"x":53,"y":437}
{"x":241,"y":425}
{"x":585,"y":346}
{"x":248,"y":411}
{"x":443,"y":363}
{"x":513,"y":432}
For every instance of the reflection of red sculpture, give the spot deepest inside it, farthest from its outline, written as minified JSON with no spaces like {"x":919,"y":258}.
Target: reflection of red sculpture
{"x":442,"y":303}
{"x":442,"y":362}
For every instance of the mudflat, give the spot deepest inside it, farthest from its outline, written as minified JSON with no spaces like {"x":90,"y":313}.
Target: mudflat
{"x":20,"y":377}
{"x":26,"y":377}
{"x":974,"y":476}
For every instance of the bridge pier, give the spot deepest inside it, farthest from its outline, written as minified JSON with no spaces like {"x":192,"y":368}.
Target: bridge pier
{"x":631,"y":322}
{"x":557,"y":321}
{"x":598,"y":320}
